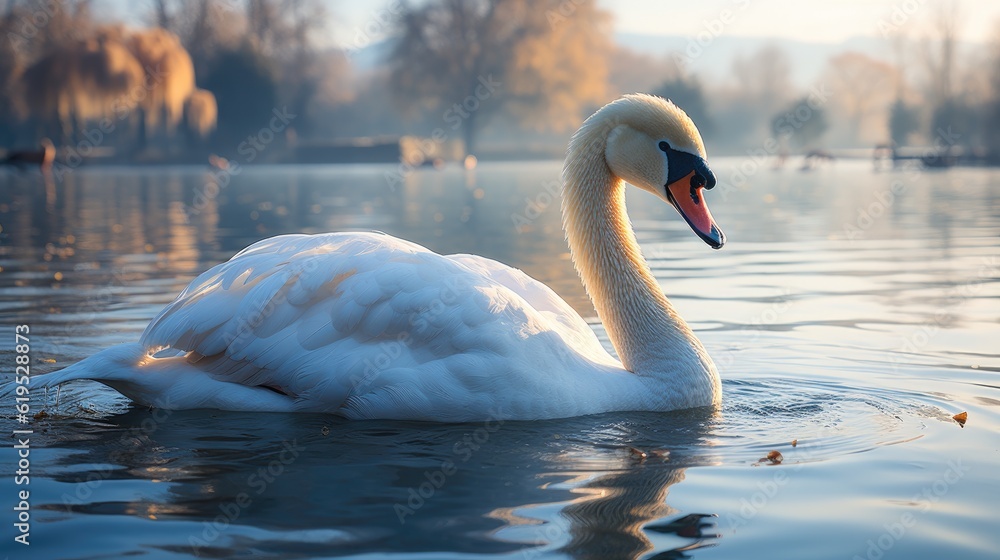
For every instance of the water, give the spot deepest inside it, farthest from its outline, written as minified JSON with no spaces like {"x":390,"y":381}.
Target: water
{"x":852,"y":312}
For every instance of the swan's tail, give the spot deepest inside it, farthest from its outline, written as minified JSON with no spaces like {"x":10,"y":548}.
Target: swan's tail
{"x":165,"y":382}
{"x":117,"y":367}
{"x":118,"y":363}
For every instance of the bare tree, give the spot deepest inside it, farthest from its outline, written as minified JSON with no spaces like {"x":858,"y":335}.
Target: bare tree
{"x":163,"y":17}
{"x":33,"y":32}
{"x":204,"y":26}
{"x":938,"y":52}
{"x":279,"y":29}
{"x":541,"y":61}
{"x":862,"y":88}
{"x":276,"y":34}
{"x":899,"y":44}
{"x":282,"y":28}
{"x":80,"y":81}
{"x":992,"y":113}
{"x":764,"y":78}
{"x":630,"y":71}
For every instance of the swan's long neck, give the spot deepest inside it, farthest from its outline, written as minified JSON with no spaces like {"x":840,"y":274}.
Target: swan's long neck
{"x":648,"y":334}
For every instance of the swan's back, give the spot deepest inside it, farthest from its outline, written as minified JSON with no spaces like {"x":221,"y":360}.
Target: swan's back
{"x":367,"y":325}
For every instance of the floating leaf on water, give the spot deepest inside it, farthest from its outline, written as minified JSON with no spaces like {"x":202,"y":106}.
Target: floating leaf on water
{"x":637,"y":453}
{"x":773,"y":457}
{"x":961,"y":417}
{"x":660,"y":453}
{"x":41,"y":414}
{"x":795,"y":442}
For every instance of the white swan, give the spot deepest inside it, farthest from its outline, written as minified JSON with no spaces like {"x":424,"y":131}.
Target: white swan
{"x":365,"y":325}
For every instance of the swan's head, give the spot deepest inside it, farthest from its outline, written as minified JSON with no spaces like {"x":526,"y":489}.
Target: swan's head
{"x":655,"y":146}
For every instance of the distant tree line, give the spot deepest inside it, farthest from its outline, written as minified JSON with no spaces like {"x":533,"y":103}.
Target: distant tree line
{"x":518,"y":74}
{"x":204,"y":75}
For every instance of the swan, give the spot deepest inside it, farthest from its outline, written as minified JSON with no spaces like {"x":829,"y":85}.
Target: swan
{"x":365,"y":325}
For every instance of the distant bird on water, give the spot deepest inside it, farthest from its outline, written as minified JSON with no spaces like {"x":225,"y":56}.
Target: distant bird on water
{"x":42,"y":157}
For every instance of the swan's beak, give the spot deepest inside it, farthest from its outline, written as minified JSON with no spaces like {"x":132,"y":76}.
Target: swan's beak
{"x":686,"y":196}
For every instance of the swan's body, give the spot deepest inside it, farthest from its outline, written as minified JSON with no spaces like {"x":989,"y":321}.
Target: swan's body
{"x":365,"y":325}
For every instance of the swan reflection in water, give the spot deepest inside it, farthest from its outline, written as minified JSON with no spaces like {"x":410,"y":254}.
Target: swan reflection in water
{"x":302,"y":484}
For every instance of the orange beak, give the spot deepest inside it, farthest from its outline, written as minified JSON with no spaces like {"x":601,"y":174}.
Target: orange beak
{"x":686,"y":196}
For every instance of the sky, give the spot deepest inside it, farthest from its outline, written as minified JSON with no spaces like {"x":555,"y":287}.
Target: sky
{"x":821,"y":21}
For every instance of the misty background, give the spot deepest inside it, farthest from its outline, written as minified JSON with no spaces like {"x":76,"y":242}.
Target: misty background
{"x":305,"y":80}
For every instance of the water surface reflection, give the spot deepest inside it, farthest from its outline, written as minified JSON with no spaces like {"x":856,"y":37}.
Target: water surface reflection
{"x":313,"y":485}
{"x":857,"y":337}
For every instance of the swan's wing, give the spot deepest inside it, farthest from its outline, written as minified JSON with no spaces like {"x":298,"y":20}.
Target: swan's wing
{"x":561,"y":317}
{"x":359,"y":322}
{"x":304,"y":314}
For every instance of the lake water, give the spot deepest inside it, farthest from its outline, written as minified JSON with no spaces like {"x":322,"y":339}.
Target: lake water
{"x":853,"y":312}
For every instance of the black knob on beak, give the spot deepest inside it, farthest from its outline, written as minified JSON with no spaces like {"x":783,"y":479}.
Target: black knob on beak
{"x":706,"y":176}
